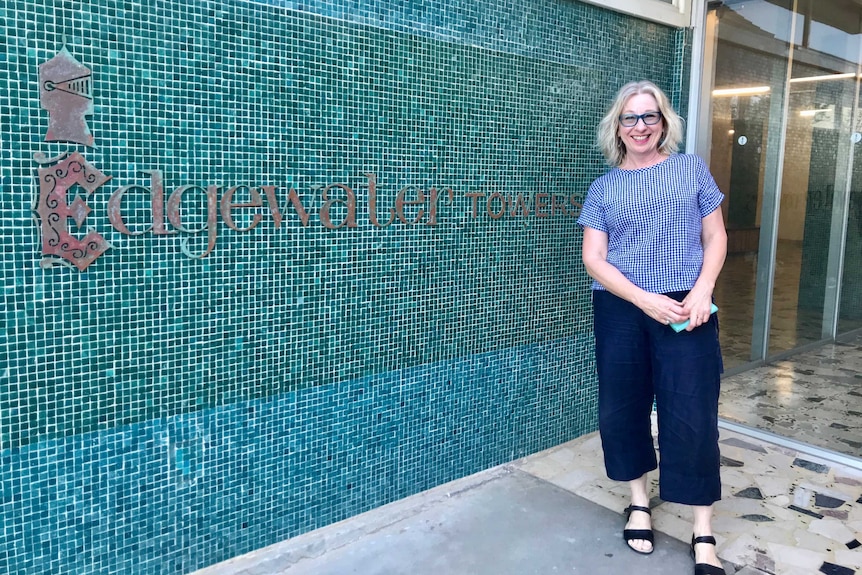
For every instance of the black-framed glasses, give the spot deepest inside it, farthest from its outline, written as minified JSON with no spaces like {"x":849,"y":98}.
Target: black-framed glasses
{"x":631,"y":120}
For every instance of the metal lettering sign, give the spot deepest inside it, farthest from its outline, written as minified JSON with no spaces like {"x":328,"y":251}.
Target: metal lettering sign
{"x":66,"y":92}
{"x":55,"y":211}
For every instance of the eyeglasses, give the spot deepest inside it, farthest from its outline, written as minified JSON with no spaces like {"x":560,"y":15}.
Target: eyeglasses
{"x":631,"y":120}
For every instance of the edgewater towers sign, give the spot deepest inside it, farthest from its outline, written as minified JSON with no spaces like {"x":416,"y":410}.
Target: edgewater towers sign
{"x":66,"y":91}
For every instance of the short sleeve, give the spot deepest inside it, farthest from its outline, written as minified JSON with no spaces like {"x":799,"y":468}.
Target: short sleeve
{"x":709,"y":196}
{"x":593,"y":212}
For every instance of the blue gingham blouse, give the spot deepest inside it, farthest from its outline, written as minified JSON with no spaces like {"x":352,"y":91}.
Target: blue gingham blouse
{"x":653,"y":218}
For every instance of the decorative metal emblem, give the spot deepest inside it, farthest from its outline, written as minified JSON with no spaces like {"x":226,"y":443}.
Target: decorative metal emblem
{"x":66,"y":91}
{"x":55,"y":210}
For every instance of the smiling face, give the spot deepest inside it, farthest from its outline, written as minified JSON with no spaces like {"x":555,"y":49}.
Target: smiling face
{"x":641,"y":141}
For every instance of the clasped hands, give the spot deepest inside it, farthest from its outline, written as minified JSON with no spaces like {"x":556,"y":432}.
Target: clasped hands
{"x":666,"y":310}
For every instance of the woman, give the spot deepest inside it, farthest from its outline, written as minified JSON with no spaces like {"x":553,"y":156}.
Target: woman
{"x":654,"y":242}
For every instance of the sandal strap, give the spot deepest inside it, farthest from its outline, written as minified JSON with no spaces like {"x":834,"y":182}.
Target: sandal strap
{"x":632,"y":534}
{"x":702,"y":539}
{"x":628,"y":510}
{"x":706,"y":569}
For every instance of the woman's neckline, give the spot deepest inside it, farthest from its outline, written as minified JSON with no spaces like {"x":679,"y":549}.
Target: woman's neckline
{"x":661,"y":160}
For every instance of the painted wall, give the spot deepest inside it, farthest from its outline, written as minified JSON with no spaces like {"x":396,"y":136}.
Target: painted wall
{"x":408,"y":308}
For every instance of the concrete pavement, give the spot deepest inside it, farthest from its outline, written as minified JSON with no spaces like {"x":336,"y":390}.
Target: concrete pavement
{"x":499,"y":522}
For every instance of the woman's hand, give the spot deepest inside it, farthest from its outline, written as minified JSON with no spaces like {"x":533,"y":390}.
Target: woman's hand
{"x":698,"y":302}
{"x":661,"y":308}
{"x":697,"y":307}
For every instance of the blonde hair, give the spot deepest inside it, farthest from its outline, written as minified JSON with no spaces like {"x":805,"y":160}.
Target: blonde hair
{"x":607,"y":137}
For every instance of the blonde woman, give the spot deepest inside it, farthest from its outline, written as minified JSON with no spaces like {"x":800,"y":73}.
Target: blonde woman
{"x":654,"y":243}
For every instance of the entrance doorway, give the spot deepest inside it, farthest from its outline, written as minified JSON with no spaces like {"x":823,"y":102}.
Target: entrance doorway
{"x":782,"y":136}
{"x":784,"y":79}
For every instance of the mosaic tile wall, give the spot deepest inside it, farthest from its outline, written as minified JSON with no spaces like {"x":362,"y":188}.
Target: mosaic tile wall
{"x":162,"y":412}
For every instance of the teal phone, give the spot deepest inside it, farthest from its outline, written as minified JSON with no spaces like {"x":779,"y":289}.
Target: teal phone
{"x":679,"y":326}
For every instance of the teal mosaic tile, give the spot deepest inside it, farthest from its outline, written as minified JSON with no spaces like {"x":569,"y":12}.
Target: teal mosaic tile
{"x":175,"y":494}
{"x":303,"y":114}
{"x":159,"y":412}
{"x":680,"y":85}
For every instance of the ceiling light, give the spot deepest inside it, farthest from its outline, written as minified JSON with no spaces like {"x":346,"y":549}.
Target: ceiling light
{"x":750,"y":91}
{"x":821,"y":78}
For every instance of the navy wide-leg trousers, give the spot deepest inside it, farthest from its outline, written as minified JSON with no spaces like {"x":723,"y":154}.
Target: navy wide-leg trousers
{"x":640,"y":360}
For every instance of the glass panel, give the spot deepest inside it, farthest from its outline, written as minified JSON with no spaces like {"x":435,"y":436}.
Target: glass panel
{"x":750,"y":69}
{"x":817,"y":171}
{"x":850,"y":307}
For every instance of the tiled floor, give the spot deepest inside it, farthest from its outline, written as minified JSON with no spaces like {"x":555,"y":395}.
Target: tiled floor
{"x":813,"y":397}
{"x":782,"y":512}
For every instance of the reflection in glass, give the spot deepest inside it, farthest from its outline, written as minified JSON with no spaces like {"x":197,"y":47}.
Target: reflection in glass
{"x":815,"y":155}
{"x":741,"y":121}
{"x":819,"y":169}
{"x":850,"y":306}
{"x":799,"y":130}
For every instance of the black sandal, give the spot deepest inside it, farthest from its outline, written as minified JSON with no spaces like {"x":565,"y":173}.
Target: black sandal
{"x":630,"y":535}
{"x":705,"y":568}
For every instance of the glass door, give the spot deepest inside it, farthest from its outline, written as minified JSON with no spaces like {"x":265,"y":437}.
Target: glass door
{"x":750,"y":43}
{"x":819,"y":165}
{"x":850,"y":307}
{"x":783,"y":122}
{"x":850,"y":302}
